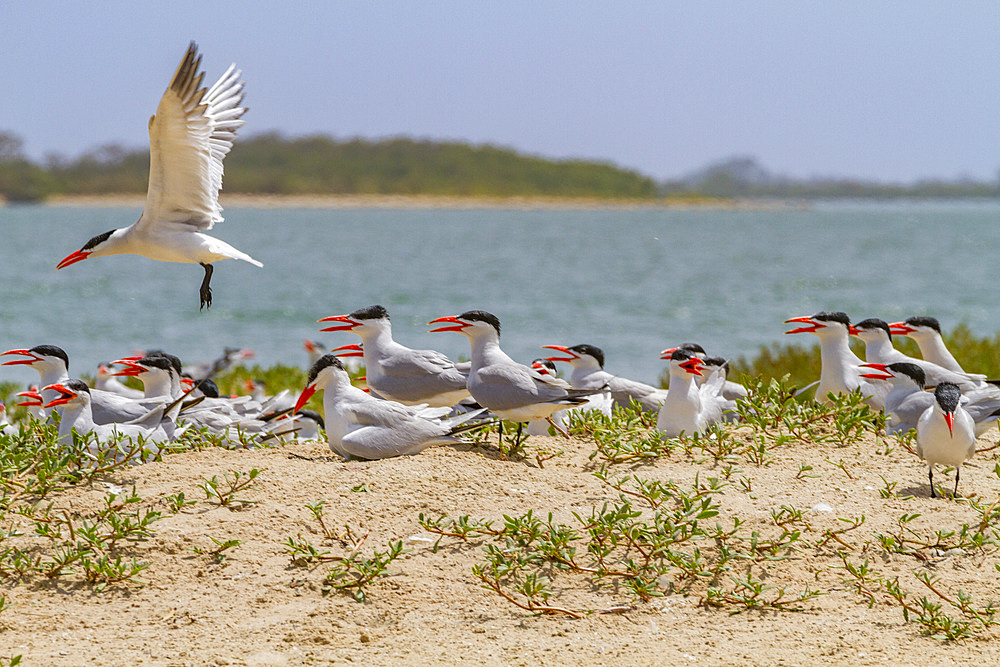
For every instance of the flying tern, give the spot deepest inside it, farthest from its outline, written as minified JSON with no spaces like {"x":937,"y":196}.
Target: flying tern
{"x":189,"y":137}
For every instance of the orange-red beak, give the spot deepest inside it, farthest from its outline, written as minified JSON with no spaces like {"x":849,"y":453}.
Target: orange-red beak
{"x":900,"y":329}
{"x":131,"y":369}
{"x":66,"y":395}
{"x":561,"y":348}
{"x":458,"y":324}
{"x":35,"y":399}
{"x":692,"y":366}
{"x":884,"y":375}
{"x":814,"y":325}
{"x":352,"y":350}
{"x":667,"y":353}
{"x":73,"y":258}
{"x":304,"y":397}
{"x":347,"y":326}
{"x":26,"y":362}
{"x":949,"y":418}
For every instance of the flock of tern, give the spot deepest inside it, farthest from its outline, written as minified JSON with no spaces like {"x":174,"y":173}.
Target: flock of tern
{"x":419,"y":398}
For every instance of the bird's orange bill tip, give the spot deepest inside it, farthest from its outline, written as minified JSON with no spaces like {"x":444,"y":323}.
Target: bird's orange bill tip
{"x":900,"y":329}
{"x":347,"y":325}
{"x":32,"y":358}
{"x":187,"y":382}
{"x":35,"y":399}
{"x":66,"y":395}
{"x":853,"y":330}
{"x":949,"y":417}
{"x":805,"y":319}
{"x":876,"y":376}
{"x":560,"y":348}
{"x":309,"y":345}
{"x":880,"y":367}
{"x":451,"y":319}
{"x":304,"y":397}
{"x":73,"y":258}
{"x":352,"y":350}
{"x":692,"y":366}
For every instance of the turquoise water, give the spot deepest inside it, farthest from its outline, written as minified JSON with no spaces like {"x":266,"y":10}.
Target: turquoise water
{"x":629,"y":281}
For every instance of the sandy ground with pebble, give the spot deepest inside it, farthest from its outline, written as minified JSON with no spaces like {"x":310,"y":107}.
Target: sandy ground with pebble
{"x":257,"y":608}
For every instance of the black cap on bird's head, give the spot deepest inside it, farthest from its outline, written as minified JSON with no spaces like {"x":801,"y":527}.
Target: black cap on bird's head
{"x":174,"y":360}
{"x":86,"y":251}
{"x":680,"y":355}
{"x":908,"y":326}
{"x":819,"y":321}
{"x":481,"y":316}
{"x":833,"y":316}
{"x":716,"y":362}
{"x":594,"y":351}
{"x":912,"y":371}
{"x":923,"y":321}
{"x":576,"y":352}
{"x":690,"y":363}
{"x":68,"y":390}
{"x":873,"y":324}
{"x":209,"y":388}
{"x":544,"y":366}
{"x":325,"y":361}
{"x":375,"y":312}
{"x":948,"y":396}
{"x":156,"y":361}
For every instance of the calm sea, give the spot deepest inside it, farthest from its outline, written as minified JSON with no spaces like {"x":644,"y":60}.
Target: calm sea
{"x":629,"y":281}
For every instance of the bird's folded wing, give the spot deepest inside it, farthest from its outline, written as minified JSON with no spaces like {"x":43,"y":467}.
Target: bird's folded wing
{"x":416,"y":363}
{"x":190,"y":135}
{"x":379,"y":413}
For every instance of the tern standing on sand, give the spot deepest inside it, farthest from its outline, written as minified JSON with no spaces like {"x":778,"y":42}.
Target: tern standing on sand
{"x":189,"y":137}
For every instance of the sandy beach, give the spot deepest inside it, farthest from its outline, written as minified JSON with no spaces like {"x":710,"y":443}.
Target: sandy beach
{"x":257,"y":607}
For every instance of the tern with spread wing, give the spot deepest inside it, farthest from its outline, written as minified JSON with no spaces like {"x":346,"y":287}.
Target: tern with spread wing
{"x":189,"y":137}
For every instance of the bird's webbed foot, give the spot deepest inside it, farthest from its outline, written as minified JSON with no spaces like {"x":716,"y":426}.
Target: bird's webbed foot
{"x":206,"y":289}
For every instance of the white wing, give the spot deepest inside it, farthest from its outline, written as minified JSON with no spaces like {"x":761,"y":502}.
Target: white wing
{"x":190,"y":135}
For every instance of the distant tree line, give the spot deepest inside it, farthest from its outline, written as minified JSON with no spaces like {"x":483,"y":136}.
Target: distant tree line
{"x":744,"y":177}
{"x":273,"y":164}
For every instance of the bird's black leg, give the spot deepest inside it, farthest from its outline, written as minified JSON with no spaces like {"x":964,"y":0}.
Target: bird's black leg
{"x":957,"y":471}
{"x":499,"y":432}
{"x":206,"y":289}
{"x":517,"y":440}
{"x":930,"y":475}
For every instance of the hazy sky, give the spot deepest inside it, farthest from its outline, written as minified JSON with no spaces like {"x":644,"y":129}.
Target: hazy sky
{"x":886,"y":90}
